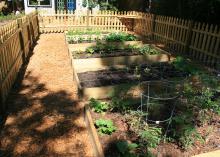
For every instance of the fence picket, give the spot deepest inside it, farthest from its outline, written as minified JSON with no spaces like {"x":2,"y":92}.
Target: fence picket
{"x":16,"y":40}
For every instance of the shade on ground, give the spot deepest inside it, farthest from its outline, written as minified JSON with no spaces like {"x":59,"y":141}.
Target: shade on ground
{"x":44,"y":117}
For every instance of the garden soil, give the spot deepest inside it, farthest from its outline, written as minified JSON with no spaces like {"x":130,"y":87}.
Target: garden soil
{"x":44,"y":117}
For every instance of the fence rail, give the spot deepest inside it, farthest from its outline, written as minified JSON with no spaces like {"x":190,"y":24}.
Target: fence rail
{"x":199,"y":41}
{"x":102,"y":20}
{"x":185,"y":37}
{"x":17,"y":37}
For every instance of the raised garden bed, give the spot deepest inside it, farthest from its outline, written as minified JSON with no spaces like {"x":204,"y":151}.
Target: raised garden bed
{"x":105,"y":83}
{"x":191,"y":107}
{"x":118,"y":58}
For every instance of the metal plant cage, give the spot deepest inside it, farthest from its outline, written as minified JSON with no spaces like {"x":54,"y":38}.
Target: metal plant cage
{"x":158,"y":102}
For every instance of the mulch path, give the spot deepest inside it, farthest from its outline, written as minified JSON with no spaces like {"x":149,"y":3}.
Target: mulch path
{"x":44,"y":117}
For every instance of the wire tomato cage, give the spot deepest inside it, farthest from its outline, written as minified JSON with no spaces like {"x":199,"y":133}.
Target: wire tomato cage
{"x":158,"y":101}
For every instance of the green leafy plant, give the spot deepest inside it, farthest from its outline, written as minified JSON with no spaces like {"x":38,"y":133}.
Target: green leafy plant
{"x":120,"y":37}
{"x":181,"y":64}
{"x":189,"y":136}
{"x":105,"y":126}
{"x":120,"y":104}
{"x":151,"y":135}
{"x":130,"y":37}
{"x":110,"y":48}
{"x":90,"y":50}
{"x":185,"y":131}
{"x":146,"y":49}
{"x":126,"y":149}
{"x":201,"y":97}
{"x":135,"y":120}
{"x":132,"y":48}
{"x":148,"y":135}
{"x":205,"y":100}
{"x":98,"y":106}
{"x":80,"y":39}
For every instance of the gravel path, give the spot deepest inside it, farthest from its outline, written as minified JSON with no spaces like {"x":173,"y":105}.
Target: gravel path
{"x":44,"y":117}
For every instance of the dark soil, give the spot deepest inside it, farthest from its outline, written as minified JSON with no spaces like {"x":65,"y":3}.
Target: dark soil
{"x":114,"y":53}
{"x":168,"y":149}
{"x":130,"y":75}
{"x":121,"y":134}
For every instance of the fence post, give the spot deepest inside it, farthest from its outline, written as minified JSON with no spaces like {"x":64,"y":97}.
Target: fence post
{"x":189,"y":37}
{"x":21,"y":40}
{"x":38,"y":23}
{"x":87,"y":19}
{"x":2,"y":105}
{"x":153,"y":26}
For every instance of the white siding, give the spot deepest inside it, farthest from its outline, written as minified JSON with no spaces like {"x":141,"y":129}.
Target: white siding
{"x":50,"y":9}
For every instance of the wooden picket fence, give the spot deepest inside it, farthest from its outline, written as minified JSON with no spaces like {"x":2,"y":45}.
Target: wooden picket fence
{"x":199,"y":41}
{"x":182,"y":37}
{"x":185,"y":37}
{"x":101,"y":20}
{"x":17,"y":38}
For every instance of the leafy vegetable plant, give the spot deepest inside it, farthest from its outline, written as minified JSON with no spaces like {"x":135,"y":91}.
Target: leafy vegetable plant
{"x":90,"y":50}
{"x":120,"y":37}
{"x":151,"y":135}
{"x":120,"y":104}
{"x":98,"y":106}
{"x":147,"y":49}
{"x":105,"y":126}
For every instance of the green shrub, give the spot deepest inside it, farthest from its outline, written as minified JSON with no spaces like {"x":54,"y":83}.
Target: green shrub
{"x":105,"y":126}
{"x":11,"y":16}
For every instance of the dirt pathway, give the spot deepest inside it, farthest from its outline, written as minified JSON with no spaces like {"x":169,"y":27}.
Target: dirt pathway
{"x":44,"y":116}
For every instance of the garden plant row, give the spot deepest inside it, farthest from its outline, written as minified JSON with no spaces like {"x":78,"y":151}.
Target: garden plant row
{"x":92,"y":36}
